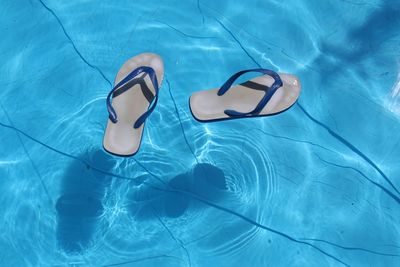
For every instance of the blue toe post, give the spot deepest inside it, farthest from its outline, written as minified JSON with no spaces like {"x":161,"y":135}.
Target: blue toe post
{"x":268,"y":93}
{"x":152,"y":74}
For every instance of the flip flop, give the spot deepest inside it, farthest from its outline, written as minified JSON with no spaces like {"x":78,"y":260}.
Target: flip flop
{"x":130,"y":102}
{"x":265,"y":95}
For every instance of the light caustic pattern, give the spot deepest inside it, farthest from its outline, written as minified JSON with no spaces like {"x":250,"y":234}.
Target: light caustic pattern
{"x":317,"y":185}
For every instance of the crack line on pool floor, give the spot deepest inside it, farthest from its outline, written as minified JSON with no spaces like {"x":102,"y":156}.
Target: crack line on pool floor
{"x":238,"y":42}
{"x":294,"y":140}
{"x":84,"y":162}
{"x":351,"y":248}
{"x":350,"y":146}
{"x":384,"y":189}
{"x":387,"y":191}
{"x":170,"y":251}
{"x":269,"y":44}
{"x":73,"y":43}
{"x":141,"y":259}
{"x":29,"y":158}
{"x":177,"y":240}
{"x":200,"y":10}
{"x":319,"y":123}
{"x":180,"y":121}
{"x":185,"y":34}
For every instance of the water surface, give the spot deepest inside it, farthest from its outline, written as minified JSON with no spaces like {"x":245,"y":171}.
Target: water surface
{"x":317,"y":185}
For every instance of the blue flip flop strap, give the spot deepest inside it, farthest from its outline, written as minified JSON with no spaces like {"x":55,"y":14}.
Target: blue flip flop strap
{"x":152,"y":74}
{"x":269,"y":93}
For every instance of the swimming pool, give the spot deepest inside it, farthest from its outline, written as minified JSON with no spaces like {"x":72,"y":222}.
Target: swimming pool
{"x":317,"y":185}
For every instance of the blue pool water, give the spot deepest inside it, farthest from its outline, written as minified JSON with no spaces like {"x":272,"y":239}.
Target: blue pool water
{"x":317,"y":185}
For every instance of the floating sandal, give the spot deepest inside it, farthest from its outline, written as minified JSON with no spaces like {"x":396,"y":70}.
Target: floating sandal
{"x":265,"y":95}
{"x":134,"y":98}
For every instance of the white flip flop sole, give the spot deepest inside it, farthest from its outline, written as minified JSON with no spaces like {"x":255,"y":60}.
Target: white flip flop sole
{"x":121,"y":138}
{"x":207,"y":106}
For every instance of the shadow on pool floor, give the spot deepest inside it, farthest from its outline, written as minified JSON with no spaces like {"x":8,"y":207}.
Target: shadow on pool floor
{"x":79,"y":205}
{"x":204,"y":180}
